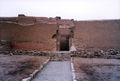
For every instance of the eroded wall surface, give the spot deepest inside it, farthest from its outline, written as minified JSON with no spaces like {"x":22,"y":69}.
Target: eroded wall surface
{"x":97,"y":34}
{"x":29,"y":34}
{"x":35,"y":33}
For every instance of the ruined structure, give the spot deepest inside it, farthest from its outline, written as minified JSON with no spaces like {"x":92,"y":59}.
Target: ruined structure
{"x":28,"y":33}
{"x":65,"y":34}
{"x":56,"y":34}
{"x":102,"y":34}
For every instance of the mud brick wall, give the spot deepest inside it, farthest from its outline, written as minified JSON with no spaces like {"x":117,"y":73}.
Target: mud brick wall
{"x":97,"y":34}
{"x":31,"y":37}
{"x":32,"y":33}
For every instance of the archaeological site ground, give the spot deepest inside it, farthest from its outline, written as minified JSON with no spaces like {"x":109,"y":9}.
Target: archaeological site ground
{"x":56,"y":49}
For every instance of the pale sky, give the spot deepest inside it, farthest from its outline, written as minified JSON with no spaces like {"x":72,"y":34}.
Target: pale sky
{"x":70,"y":9}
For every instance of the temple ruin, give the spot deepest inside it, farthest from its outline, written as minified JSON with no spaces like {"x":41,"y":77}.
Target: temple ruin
{"x":56,"y":34}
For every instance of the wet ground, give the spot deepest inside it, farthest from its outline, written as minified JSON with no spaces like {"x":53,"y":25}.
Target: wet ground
{"x":55,"y":71}
{"x":17,"y":67}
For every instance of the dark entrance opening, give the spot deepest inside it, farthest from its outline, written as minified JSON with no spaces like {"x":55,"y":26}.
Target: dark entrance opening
{"x":64,"y":44}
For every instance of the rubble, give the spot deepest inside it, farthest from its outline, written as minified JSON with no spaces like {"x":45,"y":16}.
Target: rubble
{"x":5,"y":46}
{"x":29,"y":52}
{"x":108,"y":54}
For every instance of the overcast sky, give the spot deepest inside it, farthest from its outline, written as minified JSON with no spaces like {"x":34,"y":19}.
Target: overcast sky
{"x":70,"y":9}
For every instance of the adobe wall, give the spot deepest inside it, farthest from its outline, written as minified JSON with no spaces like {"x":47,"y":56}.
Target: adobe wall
{"x":32,"y":37}
{"x":97,"y":34}
{"x":35,"y":33}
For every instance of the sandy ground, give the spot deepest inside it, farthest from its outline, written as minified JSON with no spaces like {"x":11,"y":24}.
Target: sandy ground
{"x":17,"y":67}
{"x":87,"y":69}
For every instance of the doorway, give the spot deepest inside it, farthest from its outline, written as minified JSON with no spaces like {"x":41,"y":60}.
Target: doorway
{"x":64,"y":44}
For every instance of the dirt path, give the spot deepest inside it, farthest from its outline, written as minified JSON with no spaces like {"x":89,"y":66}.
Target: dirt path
{"x":55,"y":71}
